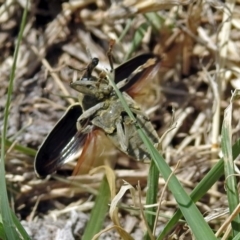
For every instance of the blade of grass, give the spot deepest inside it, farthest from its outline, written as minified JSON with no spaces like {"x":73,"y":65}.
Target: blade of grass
{"x":187,"y":206}
{"x":20,"y":228}
{"x":155,"y":20}
{"x":200,"y":190}
{"x":98,"y":212}
{"x":137,"y":39}
{"x":237,"y":237}
{"x":151,"y":195}
{"x":2,"y":233}
{"x":231,"y":182}
{"x":8,"y":223}
{"x":20,"y":148}
{"x":125,"y":30}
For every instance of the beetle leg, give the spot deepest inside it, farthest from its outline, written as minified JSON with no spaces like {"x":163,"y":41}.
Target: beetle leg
{"x":139,"y":113}
{"x":97,"y":121}
{"x":88,"y":113}
{"x":134,"y":107}
{"x":122,"y":136}
{"x":122,"y":83}
{"x":87,"y":129}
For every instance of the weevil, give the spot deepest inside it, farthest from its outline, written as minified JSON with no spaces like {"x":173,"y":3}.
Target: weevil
{"x":100,"y":110}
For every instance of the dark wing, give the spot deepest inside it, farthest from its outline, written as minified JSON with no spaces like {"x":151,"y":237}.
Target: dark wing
{"x":62,"y":144}
{"x":137,"y":79}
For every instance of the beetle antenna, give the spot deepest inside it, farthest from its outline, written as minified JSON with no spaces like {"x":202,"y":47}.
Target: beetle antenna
{"x":89,"y":69}
{"x":109,"y":53}
{"x":89,"y":53}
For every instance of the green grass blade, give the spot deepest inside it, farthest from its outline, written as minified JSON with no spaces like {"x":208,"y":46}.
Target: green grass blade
{"x":187,"y":206}
{"x":8,"y":223}
{"x":20,"y":148}
{"x":231,"y":182}
{"x":237,"y":237}
{"x":20,"y":228}
{"x":155,"y":21}
{"x":98,"y":212}
{"x":137,"y":39}
{"x":200,"y":190}
{"x":125,"y":30}
{"x":151,"y":197}
{"x":2,"y":233}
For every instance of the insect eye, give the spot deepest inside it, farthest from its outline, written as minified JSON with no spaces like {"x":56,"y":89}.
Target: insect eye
{"x":95,"y":62}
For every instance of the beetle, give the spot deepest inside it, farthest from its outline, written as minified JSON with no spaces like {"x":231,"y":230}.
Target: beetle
{"x":100,"y":111}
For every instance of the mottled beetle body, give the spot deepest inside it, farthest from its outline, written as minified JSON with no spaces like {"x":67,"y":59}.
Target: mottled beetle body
{"x":100,"y":109}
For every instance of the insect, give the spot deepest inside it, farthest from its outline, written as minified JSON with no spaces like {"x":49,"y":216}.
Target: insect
{"x":99,"y":110}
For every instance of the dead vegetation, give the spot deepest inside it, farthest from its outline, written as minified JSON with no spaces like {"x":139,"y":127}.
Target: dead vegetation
{"x":199,"y":43}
